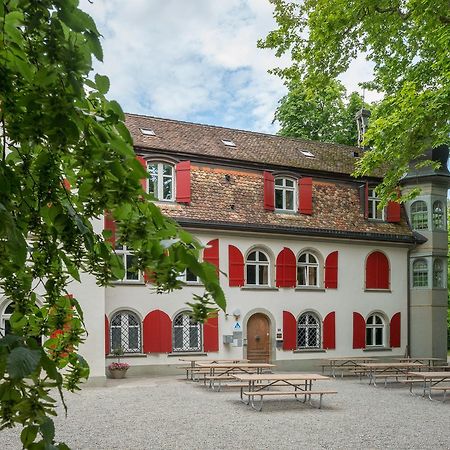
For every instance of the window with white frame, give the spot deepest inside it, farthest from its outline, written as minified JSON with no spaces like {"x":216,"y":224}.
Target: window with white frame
{"x":285,"y":194}
{"x":257,"y":268}
{"x":189,"y":277}
{"x":375,"y":331}
{"x":420,"y":273}
{"x":131,"y":273}
{"x":187,"y":334}
{"x":419,"y":215}
{"x":307,"y":270}
{"x":438,"y":215}
{"x":161,"y":180}
{"x":438,"y":274}
{"x":308,"y":331}
{"x":5,"y":315}
{"x":373,"y":202}
{"x":125,"y":332}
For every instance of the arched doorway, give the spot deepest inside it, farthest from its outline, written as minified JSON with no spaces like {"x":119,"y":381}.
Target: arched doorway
{"x":258,"y":338}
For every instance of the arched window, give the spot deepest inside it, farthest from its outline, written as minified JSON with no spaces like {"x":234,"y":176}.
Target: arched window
{"x":308,"y":331}
{"x":307,"y":270}
{"x":438,"y":273}
{"x":377,"y":271}
{"x":125,"y":330}
{"x":375,"y":331}
{"x":420,"y":273}
{"x":187,"y":334}
{"x":419,"y":215}
{"x":257,"y":268}
{"x":5,"y":315}
{"x":438,"y":216}
{"x":285,"y":190}
{"x":161,"y":180}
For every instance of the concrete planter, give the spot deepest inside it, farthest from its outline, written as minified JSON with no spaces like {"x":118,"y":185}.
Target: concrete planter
{"x":117,"y":373}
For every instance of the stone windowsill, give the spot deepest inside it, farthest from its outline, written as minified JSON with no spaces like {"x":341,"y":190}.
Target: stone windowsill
{"x":181,"y":354}
{"x":378,"y":290}
{"x":127,"y":355}
{"x":310,"y":288}
{"x":377,"y":349}
{"x":258,"y":288}
{"x":310,"y":350}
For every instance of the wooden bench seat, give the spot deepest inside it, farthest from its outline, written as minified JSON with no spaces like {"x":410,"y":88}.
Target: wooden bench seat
{"x":443,"y":389}
{"x":296,"y":394}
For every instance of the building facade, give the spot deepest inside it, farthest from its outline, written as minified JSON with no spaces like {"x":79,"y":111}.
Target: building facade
{"x":310,"y":267}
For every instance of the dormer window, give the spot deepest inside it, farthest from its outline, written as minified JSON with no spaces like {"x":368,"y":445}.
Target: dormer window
{"x":285,"y":189}
{"x":147,"y":131}
{"x":373,"y":202}
{"x":228,"y":142}
{"x":161,"y":181}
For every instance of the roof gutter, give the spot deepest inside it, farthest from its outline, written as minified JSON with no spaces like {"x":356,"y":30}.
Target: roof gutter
{"x":299,"y":231}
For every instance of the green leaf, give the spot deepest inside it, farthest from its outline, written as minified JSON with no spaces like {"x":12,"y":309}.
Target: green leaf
{"x":102,"y":82}
{"x":22,"y":362}
{"x":47,"y":429}
{"x":28,"y":435}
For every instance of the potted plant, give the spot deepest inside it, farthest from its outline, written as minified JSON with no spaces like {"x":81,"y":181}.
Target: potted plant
{"x":118,"y":369}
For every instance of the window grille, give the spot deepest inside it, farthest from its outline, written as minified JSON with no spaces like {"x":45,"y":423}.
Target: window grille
{"x":187,"y":334}
{"x":307,"y":270}
{"x":420,"y":273}
{"x":438,"y":274}
{"x":375,"y":330}
{"x":419,"y":215}
{"x":438,"y":216}
{"x":125,"y":332}
{"x":285,"y":191}
{"x":257,"y":268}
{"x":161,"y":181}
{"x":308,"y":331}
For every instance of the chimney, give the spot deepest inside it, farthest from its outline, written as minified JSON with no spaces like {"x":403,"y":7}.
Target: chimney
{"x":362,"y":122}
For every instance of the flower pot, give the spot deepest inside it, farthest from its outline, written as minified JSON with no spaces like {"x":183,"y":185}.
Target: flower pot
{"x":117,"y":373}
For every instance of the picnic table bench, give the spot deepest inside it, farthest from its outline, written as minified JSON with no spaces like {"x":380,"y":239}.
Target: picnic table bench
{"x":194,"y":361}
{"x":300,"y":385}
{"x":344,"y":364}
{"x":431,"y":380}
{"x":388,"y":370}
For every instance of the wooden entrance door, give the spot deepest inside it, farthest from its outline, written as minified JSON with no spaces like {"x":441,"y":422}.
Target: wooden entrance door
{"x":258,"y":338}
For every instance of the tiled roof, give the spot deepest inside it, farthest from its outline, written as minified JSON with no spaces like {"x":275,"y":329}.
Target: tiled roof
{"x":336,"y":206}
{"x":205,"y":140}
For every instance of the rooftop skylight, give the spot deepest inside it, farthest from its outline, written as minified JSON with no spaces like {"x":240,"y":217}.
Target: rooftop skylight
{"x":147,"y":131}
{"x":228,"y":142}
{"x":307,"y":153}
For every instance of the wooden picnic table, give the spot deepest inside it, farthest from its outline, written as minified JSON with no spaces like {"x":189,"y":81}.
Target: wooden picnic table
{"x":430,"y":361}
{"x":259,"y":386}
{"x":386,"y":369}
{"x":345,"y":361}
{"x":432,"y":378}
{"x":193,"y":360}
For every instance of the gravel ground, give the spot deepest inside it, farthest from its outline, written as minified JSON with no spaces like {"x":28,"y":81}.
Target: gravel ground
{"x":169,"y":412}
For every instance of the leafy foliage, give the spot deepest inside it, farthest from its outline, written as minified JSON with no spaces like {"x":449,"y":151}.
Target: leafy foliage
{"x":408,"y":40}
{"x":65,"y":158}
{"x":325,"y":115}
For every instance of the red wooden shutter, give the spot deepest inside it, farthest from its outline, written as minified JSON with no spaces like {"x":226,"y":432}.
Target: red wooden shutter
{"x":289,"y":331}
{"x":393,"y":212}
{"x":183,"y":183}
{"x":144,"y":165}
{"x":394,"y":331}
{"x":269,"y":191}
{"x":110,"y":225}
{"x":106,"y":336}
{"x":305,"y":195}
{"x":235,"y":266}
{"x":359,"y":331}
{"x":157,"y":332}
{"x":211,"y":335}
{"x":377,"y":271}
{"x":211,"y":253}
{"x":286,"y":269}
{"x":331,"y":271}
{"x":329,"y":331}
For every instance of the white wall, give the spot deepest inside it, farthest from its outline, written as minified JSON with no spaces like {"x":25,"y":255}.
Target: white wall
{"x":349,"y":297}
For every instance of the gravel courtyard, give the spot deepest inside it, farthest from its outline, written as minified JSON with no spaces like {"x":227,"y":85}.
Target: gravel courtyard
{"x":169,"y":412}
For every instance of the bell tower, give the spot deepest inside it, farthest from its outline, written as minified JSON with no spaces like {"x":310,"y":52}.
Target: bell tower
{"x":427,"y":213}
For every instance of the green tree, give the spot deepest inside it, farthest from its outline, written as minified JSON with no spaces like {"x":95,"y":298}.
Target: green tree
{"x":408,"y":41}
{"x":326,"y":115}
{"x":57,"y":130}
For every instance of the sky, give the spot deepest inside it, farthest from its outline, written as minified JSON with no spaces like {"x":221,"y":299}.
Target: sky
{"x":196,"y":60}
